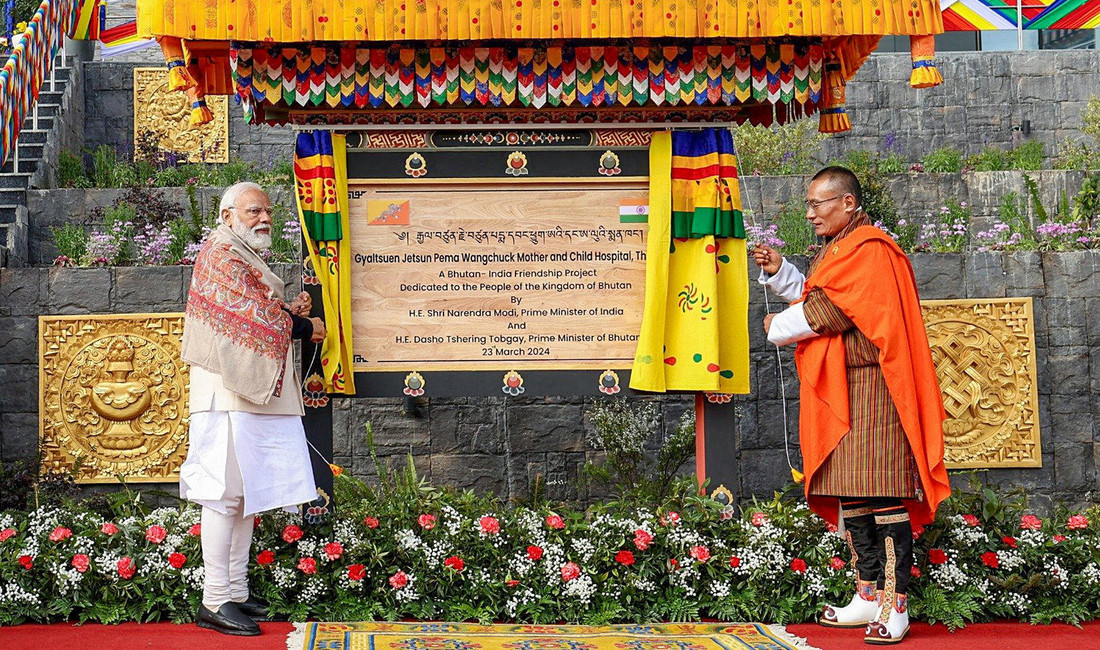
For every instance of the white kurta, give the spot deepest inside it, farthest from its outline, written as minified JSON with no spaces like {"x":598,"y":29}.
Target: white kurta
{"x":790,"y":325}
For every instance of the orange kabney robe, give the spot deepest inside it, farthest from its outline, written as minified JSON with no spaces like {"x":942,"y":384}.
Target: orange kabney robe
{"x":870,"y":279}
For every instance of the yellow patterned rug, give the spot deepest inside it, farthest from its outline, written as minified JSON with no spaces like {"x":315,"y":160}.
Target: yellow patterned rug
{"x":464,"y":636}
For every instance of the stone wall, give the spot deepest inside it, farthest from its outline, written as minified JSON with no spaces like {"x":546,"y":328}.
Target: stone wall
{"x":500,"y":445}
{"x":985,"y":99}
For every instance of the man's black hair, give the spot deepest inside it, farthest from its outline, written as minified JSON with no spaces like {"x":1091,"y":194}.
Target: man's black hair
{"x":843,"y":180}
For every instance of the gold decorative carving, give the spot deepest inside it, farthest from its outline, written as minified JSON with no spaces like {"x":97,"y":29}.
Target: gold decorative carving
{"x":984,"y":351}
{"x":165,"y":114}
{"x":113,"y":397}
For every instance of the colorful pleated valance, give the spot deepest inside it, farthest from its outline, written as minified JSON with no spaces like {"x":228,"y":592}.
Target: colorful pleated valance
{"x":288,"y":21}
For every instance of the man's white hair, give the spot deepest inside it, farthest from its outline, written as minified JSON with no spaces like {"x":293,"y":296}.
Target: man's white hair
{"x":232,"y":193}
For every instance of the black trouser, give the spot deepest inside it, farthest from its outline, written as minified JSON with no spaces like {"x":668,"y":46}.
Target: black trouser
{"x":881,"y":539}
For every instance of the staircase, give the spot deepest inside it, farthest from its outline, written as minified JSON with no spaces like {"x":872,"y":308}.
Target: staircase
{"x":34,"y":162}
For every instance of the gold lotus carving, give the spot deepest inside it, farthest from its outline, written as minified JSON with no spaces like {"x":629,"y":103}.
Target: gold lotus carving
{"x":984,"y":351}
{"x":164,"y":115}
{"x":113,"y":394}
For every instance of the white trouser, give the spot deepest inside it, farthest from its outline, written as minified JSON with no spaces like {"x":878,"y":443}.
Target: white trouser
{"x":226,"y":541}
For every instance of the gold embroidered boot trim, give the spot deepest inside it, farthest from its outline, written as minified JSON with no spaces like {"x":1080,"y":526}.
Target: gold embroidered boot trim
{"x":891,"y":583}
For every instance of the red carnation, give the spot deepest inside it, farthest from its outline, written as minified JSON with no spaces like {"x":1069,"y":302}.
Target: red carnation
{"x":356,"y":572}
{"x":177,"y":560}
{"x":1077,"y":522}
{"x":333,"y":550}
{"x":156,"y":534}
{"x":534,"y":553}
{"x":918,"y":530}
{"x":914,"y":571}
{"x":1011,"y":541}
{"x":6,"y":534}
{"x":292,"y":534}
{"x":670,"y":520}
{"x":735,"y":561}
{"x":1030,"y":522}
{"x":489,"y":525}
{"x":60,"y":533}
{"x":971,"y":521}
{"x":265,"y":558}
{"x":759,"y":518}
{"x":625,"y":558}
{"x":27,"y":561}
{"x":427,"y":522}
{"x":108,"y":528}
{"x":196,"y":530}
{"x":937,"y":556}
{"x":837,"y":563}
{"x":989,"y":558}
{"x":700,"y":553}
{"x":370,"y":522}
{"x":511,"y":583}
{"x":673,"y":564}
{"x":126,"y":568}
{"x":307,"y":565}
{"x":798,"y":565}
{"x":454,"y":562}
{"x":1059,"y":539}
{"x":399,"y":580}
{"x":81,"y":562}
{"x":570,"y":571}
{"x":642,"y":539}
{"x":555,"y":522}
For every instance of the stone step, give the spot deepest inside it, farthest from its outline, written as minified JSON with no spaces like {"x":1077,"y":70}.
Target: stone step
{"x":47,"y":98}
{"x":45,"y":123}
{"x":25,"y":166}
{"x":20,"y":180}
{"x":33,"y":136}
{"x":13,"y":196}
{"x":9,"y":214}
{"x":29,"y":150}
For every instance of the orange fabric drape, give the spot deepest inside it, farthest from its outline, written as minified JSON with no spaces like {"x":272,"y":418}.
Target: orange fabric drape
{"x":870,"y":279}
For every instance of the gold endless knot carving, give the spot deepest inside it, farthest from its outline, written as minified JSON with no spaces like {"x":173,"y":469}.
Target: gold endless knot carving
{"x":984,"y":351}
{"x":113,"y":395}
{"x":162,"y":118}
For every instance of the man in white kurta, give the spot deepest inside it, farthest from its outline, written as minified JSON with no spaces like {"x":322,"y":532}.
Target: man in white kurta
{"x":247,"y":450}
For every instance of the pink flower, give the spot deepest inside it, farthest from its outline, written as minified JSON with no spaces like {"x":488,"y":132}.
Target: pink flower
{"x":989,"y":558}
{"x":7,"y":534}
{"x":642,"y":539}
{"x":700,"y":553}
{"x":759,"y":518}
{"x":914,"y":571}
{"x":333,"y":550}
{"x":1010,"y":541}
{"x":735,"y":561}
{"x":156,"y":534}
{"x":1077,"y":522}
{"x":195,"y":531}
{"x":60,"y":533}
{"x":671,"y":519}
{"x":555,"y":522}
{"x":837,"y":563}
{"x":918,"y":530}
{"x":454,"y":562}
{"x":399,"y":580}
{"x":108,"y":528}
{"x":80,"y":562}
{"x":511,"y":583}
{"x":307,"y":565}
{"x":1058,"y":539}
{"x":356,"y":572}
{"x":26,"y":561}
{"x":937,"y":556}
{"x":292,"y":534}
{"x":427,"y":522}
{"x":971,"y":521}
{"x":570,"y":571}
{"x":1030,"y":522}
{"x":625,"y":558}
{"x":534,"y":553}
{"x":831,"y":527}
{"x":177,"y":560}
{"x":370,"y":522}
{"x":265,"y":558}
{"x":798,"y":565}
{"x":489,"y":525}
{"x":126,"y":568}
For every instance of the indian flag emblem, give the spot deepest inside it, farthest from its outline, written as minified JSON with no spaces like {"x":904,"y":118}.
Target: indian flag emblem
{"x":634,"y":210}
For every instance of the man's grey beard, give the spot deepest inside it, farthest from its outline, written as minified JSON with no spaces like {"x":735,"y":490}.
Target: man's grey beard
{"x":256,"y":241}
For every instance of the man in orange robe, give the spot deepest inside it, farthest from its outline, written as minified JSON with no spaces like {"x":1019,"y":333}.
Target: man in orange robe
{"x":871,"y":415}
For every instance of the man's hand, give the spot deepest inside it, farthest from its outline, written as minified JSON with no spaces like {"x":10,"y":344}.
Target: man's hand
{"x":301,"y":305}
{"x":767,"y":258}
{"x":768,"y":322}
{"x":319,"y":331}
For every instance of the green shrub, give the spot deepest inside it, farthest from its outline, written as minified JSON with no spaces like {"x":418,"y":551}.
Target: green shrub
{"x":71,"y":240}
{"x":990,"y":159}
{"x":892,"y":163}
{"x":947,"y":160}
{"x":1028,"y":156}
{"x":791,"y":148}
{"x":793,"y":228}
{"x":1012,"y":213}
{"x":878,"y":202}
{"x":70,"y":171}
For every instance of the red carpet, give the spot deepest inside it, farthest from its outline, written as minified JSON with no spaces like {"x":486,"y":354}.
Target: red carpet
{"x":166,"y":636}
{"x":984,"y":636}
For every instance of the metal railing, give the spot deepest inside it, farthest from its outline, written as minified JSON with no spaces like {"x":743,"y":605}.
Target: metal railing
{"x":29,"y":66}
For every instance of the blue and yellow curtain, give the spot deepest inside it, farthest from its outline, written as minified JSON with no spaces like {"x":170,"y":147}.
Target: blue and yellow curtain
{"x":695,"y":333}
{"x":321,"y":181}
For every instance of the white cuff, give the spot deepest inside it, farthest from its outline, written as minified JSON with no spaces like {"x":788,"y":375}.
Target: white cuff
{"x":786,"y":283}
{"x":790,"y":326}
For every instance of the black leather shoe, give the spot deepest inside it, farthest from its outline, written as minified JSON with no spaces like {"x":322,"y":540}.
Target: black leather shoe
{"x":253,"y":608}
{"x":229,"y":619}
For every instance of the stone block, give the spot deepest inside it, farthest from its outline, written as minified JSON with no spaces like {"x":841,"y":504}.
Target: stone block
{"x":466,"y":429}
{"x":1067,"y":336}
{"x":1070,"y":275}
{"x":1071,"y":419}
{"x":1074,"y":467}
{"x":939,"y":275}
{"x":1062,"y":312}
{"x":79,"y":291}
{"x":18,"y":436}
{"x":394,"y":433}
{"x":985,"y":276}
{"x":483,"y":473}
{"x":23,"y":292}
{"x":18,"y":339}
{"x":1070,"y":368}
{"x":149,"y":289}
{"x":1024,"y":273}
{"x":547,"y":428}
{"x":18,"y":388}
{"x":768,"y":432}
{"x":763,"y":472}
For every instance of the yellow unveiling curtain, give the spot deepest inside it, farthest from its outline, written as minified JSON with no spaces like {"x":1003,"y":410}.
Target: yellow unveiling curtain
{"x":695,"y":325}
{"x":321,"y":181}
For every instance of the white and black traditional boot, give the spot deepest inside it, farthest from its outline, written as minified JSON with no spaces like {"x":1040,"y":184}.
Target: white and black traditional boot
{"x":862,"y":609}
{"x":895,"y":535}
{"x":891,"y":625}
{"x":862,"y":537}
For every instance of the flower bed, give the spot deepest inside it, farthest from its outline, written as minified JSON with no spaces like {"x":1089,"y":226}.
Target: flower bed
{"x":417,"y":552}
